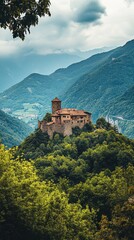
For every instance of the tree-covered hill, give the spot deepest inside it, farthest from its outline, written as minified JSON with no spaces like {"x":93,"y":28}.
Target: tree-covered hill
{"x":100,"y":141}
{"x":12,"y":130}
{"x":78,"y":187}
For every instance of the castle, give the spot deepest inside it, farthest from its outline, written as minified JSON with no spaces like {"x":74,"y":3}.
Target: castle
{"x":64,"y":120}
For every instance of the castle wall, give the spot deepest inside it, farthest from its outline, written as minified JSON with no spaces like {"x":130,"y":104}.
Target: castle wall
{"x":65,"y":129}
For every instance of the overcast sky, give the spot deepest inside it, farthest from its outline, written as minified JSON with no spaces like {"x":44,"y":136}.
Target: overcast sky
{"x":76,"y":24}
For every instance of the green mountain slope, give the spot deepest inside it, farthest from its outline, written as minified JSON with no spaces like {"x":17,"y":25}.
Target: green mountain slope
{"x":12,"y":130}
{"x":30,"y":99}
{"x":97,"y":90}
{"x":122,"y":112}
{"x":124,"y":105}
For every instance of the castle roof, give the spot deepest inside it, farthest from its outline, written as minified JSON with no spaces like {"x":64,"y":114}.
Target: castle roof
{"x":56,"y":100}
{"x":69,"y":111}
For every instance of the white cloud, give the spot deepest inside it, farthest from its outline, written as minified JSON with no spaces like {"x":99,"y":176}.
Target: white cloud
{"x":66,"y":28}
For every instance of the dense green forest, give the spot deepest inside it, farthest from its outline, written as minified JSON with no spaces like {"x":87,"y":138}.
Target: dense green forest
{"x":78,"y":187}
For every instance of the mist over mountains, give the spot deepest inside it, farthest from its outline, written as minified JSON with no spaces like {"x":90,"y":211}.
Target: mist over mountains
{"x":98,"y":84}
{"x":14,"y":68}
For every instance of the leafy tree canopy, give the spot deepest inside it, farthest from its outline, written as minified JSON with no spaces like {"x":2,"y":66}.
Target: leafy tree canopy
{"x":20,"y":15}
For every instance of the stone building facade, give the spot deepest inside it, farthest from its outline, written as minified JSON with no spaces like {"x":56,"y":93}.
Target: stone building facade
{"x":64,"y":120}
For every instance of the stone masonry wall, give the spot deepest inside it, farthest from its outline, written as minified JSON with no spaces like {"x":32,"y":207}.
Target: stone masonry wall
{"x":65,"y":128}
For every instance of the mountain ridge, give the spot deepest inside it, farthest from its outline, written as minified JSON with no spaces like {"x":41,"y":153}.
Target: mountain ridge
{"x":92,"y":84}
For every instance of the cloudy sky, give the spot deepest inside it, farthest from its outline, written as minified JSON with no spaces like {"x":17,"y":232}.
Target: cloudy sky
{"x":76,"y":25}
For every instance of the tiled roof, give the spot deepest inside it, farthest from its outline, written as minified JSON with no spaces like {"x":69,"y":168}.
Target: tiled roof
{"x":71,"y":112}
{"x":56,"y":100}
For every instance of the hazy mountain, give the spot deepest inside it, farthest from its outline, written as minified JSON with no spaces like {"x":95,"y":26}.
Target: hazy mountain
{"x":87,"y":54}
{"x":12,"y":130}
{"x":15,"y":68}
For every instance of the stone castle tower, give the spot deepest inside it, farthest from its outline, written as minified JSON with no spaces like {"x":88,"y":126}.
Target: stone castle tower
{"x":56,"y":105}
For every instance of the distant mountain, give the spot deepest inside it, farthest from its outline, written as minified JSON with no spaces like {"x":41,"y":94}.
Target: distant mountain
{"x":15,"y":68}
{"x":12,"y":130}
{"x":30,"y":99}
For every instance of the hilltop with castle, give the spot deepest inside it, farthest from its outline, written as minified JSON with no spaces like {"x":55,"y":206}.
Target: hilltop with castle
{"x":63,"y":120}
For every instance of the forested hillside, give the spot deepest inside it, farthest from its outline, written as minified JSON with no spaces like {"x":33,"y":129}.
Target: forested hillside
{"x":68,"y":188}
{"x":12,"y":130}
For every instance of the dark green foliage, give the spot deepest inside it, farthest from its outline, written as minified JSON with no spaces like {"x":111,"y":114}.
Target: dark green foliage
{"x":12,"y":130}
{"x":88,"y":127}
{"x":48,"y":117}
{"x":89,"y":152}
{"x":19,"y":16}
{"x":102,"y":123}
{"x":31,"y":209}
{"x":35,"y":145}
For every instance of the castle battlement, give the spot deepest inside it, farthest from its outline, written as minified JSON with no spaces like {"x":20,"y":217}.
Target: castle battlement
{"x":64,"y":120}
